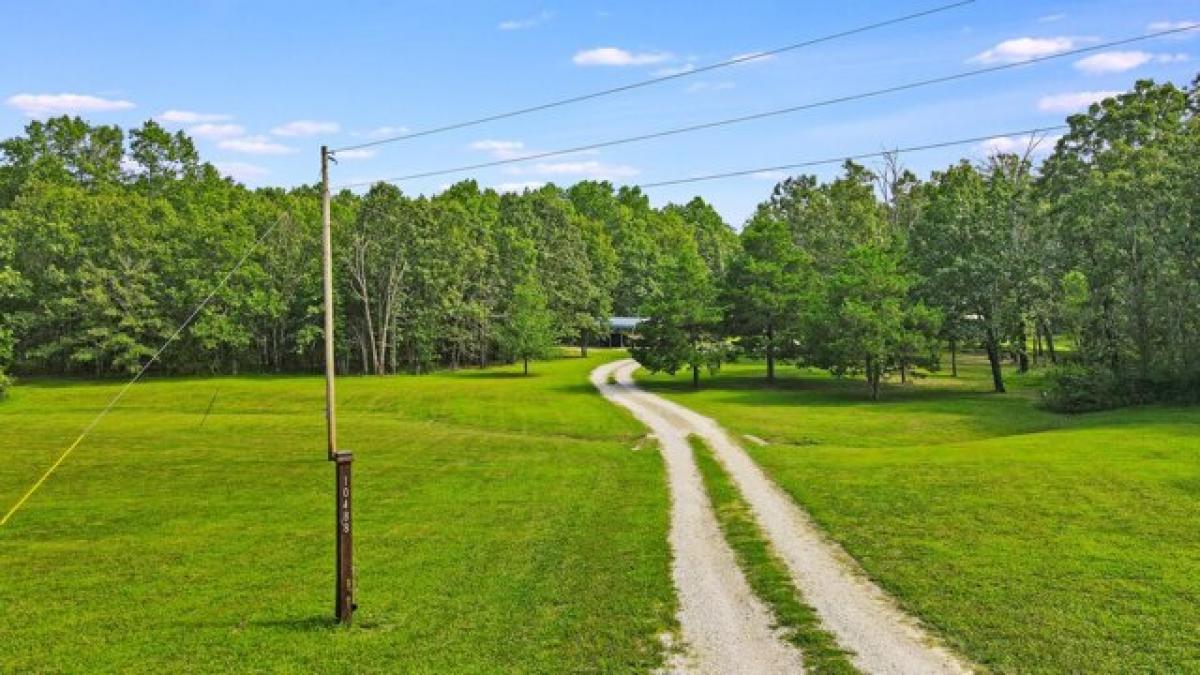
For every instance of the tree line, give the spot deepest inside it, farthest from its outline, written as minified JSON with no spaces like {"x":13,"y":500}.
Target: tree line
{"x":109,"y":239}
{"x":877,"y":271}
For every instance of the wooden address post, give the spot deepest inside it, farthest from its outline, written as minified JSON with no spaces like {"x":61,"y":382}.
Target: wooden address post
{"x":344,"y":603}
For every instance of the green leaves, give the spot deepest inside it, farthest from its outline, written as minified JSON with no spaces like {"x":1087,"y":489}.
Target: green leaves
{"x":682,"y":317}
{"x":820,"y":281}
{"x":1122,"y":205}
{"x":528,"y":330}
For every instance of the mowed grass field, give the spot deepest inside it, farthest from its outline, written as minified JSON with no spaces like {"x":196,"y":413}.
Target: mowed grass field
{"x":1034,"y":542}
{"x":503,"y":524}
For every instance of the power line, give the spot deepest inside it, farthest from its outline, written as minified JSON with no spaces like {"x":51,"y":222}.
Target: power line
{"x":838,"y":160}
{"x":121,"y":394}
{"x":777,"y":112}
{"x":656,"y":80}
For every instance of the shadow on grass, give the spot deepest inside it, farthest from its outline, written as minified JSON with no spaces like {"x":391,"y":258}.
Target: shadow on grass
{"x":576,"y":388}
{"x":68,"y":381}
{"x":812,"y":391}
{"x":298,"y":624}
{"x":306,"y":624}
{"x":315,"y":624}
{"x":967,"y":400}
{"x":496,"y":375}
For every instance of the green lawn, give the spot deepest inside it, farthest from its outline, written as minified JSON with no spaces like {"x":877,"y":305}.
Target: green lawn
{"x":503,"y":523}
{"x":1034,"y":542}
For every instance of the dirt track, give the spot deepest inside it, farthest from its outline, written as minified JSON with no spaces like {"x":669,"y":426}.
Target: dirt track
{"x":865,"y":621}
{"x":726,"y":629}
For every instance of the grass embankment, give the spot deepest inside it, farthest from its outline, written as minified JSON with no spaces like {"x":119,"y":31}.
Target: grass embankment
{"x":765,"y":572}
{"x":1034,"y":542}
{"x":503,"y":523}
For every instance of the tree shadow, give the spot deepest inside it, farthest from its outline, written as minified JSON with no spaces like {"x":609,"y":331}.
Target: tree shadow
{"x":828,"y":391}
{"x":497,"y":375}
{"x":306,"y":624}
{"x":576,"y":388}
{"x":53,"y":382}
{"x":110,"y":380}
{"x":966,"y":402}
{"x":297,"y":624}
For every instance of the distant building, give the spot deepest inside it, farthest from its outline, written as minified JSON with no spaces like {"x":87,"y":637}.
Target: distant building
{"x":619,"y":327}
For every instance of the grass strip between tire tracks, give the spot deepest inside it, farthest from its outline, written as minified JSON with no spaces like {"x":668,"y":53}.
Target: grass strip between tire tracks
{"x":766,"y":573}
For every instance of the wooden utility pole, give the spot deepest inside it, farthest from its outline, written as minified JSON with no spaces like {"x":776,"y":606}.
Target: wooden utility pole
{"x":327,"y":279}
{"x":343,"y":606}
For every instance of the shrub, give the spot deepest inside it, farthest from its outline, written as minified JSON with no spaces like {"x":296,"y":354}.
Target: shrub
{"x":1165,"y":387}
{"x":1076,"y":388}
{"x":5,"y":383}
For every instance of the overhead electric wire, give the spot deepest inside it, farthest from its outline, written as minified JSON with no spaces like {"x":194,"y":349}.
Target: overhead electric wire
{"x":776,"y":112}
{"x":837,"y":160}
{"x":142,"y":371}
{"x":656,"y":80}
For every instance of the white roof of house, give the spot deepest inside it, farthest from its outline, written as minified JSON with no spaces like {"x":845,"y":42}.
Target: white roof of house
{"x":624,"y":322}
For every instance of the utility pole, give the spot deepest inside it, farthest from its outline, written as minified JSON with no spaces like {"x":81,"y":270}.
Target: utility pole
{"x":343,"y":606}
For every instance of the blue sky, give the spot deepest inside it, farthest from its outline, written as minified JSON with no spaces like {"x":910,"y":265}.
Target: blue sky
{"x":263,"y":84}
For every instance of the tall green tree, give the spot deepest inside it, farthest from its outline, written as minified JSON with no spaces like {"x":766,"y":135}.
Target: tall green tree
{"x":477,"y":268}
{"x":767,"y":291}
{"x":863,"y":323}
{"x":11,"y":287}
{"x":61,"y":150}
{"x":528,"y":329}
{"x":682,"y":322}
{"x":1121,"y":193}
{"x":963,"y":246}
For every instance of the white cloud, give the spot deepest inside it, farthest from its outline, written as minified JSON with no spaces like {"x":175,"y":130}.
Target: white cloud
{"x":1159,"y":26}
{"x":255,"y":145}
{"x":1001,"y":144}
{"x":586,"y":169}
{"x":1113,"y":62}
{"x":1051,"y":18}
{"x":674,"y":70}
{"x":358,"y":153}
{"x":306,"y":128}
{"x":1023,"y":49}
{"x":612,"y":56}
{"x":697,"y":87}
{"x":528,"y":22}
{"x":242,"y":171}
{"x":1073,"y":101}
{"x":751,"y":57}
{"x":1018,"y":145}
{"x":517,"y":187}
{"x":191,"y":117}
{"x":37,"y":105}
{"x":211,"y":130}
{"x":382,"y":132}
{"x":1119,"y":62}
{"x":500,"y":149}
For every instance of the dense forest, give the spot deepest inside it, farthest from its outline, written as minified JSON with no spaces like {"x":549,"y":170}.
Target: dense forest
{"x":1088,"y":259}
